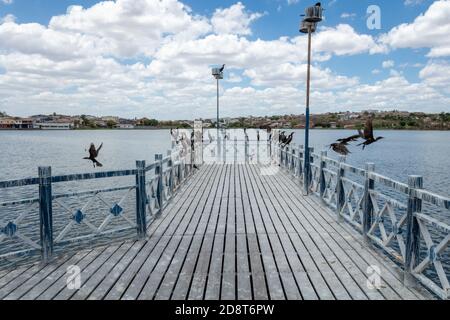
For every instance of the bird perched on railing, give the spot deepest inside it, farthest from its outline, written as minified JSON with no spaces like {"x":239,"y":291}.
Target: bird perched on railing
{"x":93,"y":154}
{"x":281,"y":137}
{"x":288,"y":140}
{"x":221,"y":69}
{"x":284,"y":140}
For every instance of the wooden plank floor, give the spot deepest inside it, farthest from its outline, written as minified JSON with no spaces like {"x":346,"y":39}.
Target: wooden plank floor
{"x":229,"y":233}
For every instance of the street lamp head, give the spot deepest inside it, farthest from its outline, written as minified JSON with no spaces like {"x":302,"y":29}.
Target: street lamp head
{"x":218,"y":72}
{"x":314,"y":14}
{"x":306,"y":26}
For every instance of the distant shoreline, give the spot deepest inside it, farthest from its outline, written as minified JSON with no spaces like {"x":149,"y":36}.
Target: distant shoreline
{"x":168,"y":128}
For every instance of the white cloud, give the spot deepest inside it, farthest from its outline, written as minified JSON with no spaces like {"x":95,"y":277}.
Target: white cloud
{"x":347,"y":15}
{"x":437,"y":75}
{"x":429,"y":30}
{"x":153,"y":58}
{"x":8,"y":18}
{"x":388,"y":64}
{"x":8,"y":1}
{"x":288,"y":74}
{"x":376,"y":71}
{"x":130,"y":28}
{"x":413,"y":2}
{"x":233,"y":20}
{"x":344,"y":40}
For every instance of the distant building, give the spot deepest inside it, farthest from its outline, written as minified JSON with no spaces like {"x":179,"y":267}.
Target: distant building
{"x":24,"y":123}
{"x":16,"y":123}
{"x":333,"y":125}
{"x":53,"y":125}
{"x":110,"y":118}
{"x":7,"y":123}
{"x":124,"y":126}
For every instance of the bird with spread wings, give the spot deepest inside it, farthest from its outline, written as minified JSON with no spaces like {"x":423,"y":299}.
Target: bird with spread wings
{"x":93,"y":154}
{"x":340,"y":146}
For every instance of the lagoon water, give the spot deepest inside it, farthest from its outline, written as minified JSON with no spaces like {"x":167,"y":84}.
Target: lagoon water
{"x":400,"y":154}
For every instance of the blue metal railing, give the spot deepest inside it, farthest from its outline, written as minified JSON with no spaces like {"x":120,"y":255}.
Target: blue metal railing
{"x":395,"y":216}
{"x":154,"y":186}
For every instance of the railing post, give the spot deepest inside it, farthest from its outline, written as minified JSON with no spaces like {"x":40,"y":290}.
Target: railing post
{"x":180,"y":169}
{"x":235,"y":149}
{"x":286,"y":157}
{"x":46,"y":212}
{"x":322,"y":182}
{"x":246,"y":148}
{"x":159,"y":175}
{"x":412,"y":229}
{"x":170,"y":166}
{"x":292,"y":164}
{"x":340,"y":194}
{"x":141,"y":199}
{"x":369,"y":184}
{"x":280,"y":148}
{"x":224,"y":150}
{"x":191,"y":164}
{"x":301,"y":154}
{"x":307,"y":171}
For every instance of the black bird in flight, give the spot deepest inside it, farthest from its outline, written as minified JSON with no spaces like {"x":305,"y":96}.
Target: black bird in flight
{"x":367,"y":134}
{"x":221,"y":69}
{"x":340,"y":148}
{"x":93,"y":154}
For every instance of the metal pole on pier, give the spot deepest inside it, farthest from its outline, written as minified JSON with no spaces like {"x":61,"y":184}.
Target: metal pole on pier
{"x":313,"y":15}
{"x":218,"y":74}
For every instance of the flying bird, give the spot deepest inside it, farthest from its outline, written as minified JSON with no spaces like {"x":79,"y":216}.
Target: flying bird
{"x":345,"y":141}
{"x":93,"y":154}
{"x":367,"y":134}
{"x":340,"y":148}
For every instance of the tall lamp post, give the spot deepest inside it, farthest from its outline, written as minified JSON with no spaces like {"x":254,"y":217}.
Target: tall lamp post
{"x":312,"y":15}
{"x":218,"y":74}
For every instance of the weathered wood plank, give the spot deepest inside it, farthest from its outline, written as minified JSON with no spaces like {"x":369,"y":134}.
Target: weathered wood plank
{"x":117,"y":291}
{"x":34,"y":286}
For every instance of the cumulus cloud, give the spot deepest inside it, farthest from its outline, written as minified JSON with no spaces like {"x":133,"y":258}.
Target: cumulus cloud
{"x":7,"y":1}
{"x":8,"y":18}
{"x":429,"y":30}
{"x":388,"y":64}
{"x":154,"y":58}
{"x":347,"y":15}
{"x":233,"y":20}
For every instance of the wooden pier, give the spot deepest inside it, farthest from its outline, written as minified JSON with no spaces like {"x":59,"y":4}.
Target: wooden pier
{"x":229,"y":233}
{"x":236,"y":230}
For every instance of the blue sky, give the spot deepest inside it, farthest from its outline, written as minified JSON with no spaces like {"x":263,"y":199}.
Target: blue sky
{"x":120,"y":57}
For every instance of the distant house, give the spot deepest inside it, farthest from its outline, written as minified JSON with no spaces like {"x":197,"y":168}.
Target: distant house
{"x":110,"y":118}
{"x":7,"y":123}
{"x":53,"y":125}
{"x":333,"y":125}
{"x":16,"y":123}
{"x":124,"y":126}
